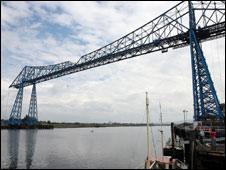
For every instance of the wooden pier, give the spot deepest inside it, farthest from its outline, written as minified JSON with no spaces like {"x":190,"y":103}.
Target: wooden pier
{"x":193,"y":149}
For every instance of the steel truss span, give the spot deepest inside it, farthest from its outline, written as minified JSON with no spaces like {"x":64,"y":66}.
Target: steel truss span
{"x":185,"y":24}
{"x":169,"y":30}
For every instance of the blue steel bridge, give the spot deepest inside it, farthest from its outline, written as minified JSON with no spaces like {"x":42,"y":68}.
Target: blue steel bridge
{"x":185,"y":24}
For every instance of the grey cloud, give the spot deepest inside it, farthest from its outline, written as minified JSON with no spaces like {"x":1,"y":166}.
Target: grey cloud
{"x":112,"y":92}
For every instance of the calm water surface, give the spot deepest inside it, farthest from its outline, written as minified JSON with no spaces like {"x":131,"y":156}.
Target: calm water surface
{"x":111,"y":147}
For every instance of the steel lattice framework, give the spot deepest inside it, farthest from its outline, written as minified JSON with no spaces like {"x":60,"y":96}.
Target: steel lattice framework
{"x":206,"y":102}
{"x":187,"y":23}
{"x":33,"y":109}
{"x":15,"y":116}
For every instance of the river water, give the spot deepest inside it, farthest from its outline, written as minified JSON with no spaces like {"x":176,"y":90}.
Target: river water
{"x":100,"y":148}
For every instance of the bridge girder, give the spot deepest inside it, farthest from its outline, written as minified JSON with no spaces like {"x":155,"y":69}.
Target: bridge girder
{"x":187,"y":23}
{"x":169,"y":30}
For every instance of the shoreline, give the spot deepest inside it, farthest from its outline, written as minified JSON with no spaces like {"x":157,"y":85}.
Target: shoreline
{"x":81,"y":125}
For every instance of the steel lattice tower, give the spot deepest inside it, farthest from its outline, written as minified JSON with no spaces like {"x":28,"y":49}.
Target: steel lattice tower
{"x":205,"y":100}
{"x":186,"y":24}
{"x":33,"y":110}
{"x":15,"y":116}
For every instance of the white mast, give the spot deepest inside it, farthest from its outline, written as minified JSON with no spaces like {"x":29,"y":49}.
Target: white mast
{"x":161,"y":127}
{"x":148,"y":142}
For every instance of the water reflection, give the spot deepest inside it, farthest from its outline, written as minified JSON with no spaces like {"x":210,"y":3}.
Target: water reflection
{"x":13,"y":146}
{"x":31,"y":135}
{"x":106,"y":148}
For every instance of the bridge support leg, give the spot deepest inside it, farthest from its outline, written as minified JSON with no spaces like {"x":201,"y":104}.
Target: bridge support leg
{"x":15,"y":116}
{"x":206,"y":103}
{"x":32,"y":117}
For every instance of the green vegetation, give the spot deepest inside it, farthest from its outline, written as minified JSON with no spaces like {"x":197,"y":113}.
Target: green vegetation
{"x":49,"y":124}
{"x":83,"y":125}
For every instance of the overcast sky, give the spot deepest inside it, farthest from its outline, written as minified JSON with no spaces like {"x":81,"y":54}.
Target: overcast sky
{"x":43,"y":33}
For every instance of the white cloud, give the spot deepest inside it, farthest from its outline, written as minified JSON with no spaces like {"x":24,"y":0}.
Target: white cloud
{"x":63,"y":19}
{"x":112,"y":92}
{"x":13,"y":12}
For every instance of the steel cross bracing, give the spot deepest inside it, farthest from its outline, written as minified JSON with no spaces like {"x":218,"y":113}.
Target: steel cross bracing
{"x":206,"y":103}
{"x":172,"y":29}
{"x":33,"y":109}
{"x":15,"y":116}
{"x":169,"y":30}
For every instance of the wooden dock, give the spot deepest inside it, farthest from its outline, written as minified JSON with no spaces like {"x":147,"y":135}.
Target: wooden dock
{"x":197,"y":151}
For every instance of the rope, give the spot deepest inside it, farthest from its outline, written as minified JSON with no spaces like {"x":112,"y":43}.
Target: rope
{"x":153,"y":142}
{"x":219,"y":59}
{"x":136,"y":141}
{"x":141,"y":166}
{"x":212,"y":65}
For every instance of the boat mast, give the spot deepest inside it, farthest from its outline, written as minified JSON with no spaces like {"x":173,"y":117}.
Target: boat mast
{"x":161,"y":127}
{"x":148,"y":137}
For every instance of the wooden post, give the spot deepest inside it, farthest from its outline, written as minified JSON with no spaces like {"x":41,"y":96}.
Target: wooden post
{"x":192,"y":143}
{"x":172,"y":135}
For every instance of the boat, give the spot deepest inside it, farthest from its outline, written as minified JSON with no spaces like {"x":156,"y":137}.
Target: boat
{"x":162,"y":162}
{"x":165,"y":163}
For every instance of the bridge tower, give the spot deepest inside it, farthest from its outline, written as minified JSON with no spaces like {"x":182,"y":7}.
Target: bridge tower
{"x":169,"y":30}
{"x":15,"y":116}
{"x":205,"y":100}
{"x":32,"y":117}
